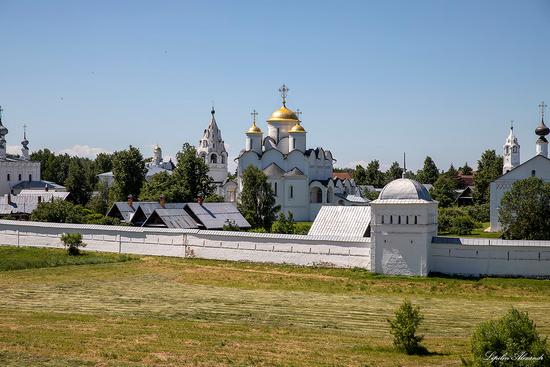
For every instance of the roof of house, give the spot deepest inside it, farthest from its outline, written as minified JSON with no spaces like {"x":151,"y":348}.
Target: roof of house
{"x":38,"y":185}
{"x":404,"y":189}
{"x":467,"y":180}
{"x":341,"y":175}
{"x":26,"y":203}
{"x":342,"y":221}
{"x":216,"y":215}
{"x":145,"y":209}
{"x":171,"y":218}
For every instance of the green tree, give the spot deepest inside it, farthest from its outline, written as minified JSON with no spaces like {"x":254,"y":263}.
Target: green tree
{"x":128,"y":173}
{"x":489,"y":167}
{"x":99,"y":202}
{"x":159,"y":184}
{"x":78,"y":183}
{"x":500,"y":342}
{"x":429,"y":172}
{"x":443,"y":190}
{"x":190,"y":177}
{"x":403,"y":329}
{"x":373,"y":174}
{"x":58,"y":211}
{"x":393,"y":173}
{"x":257,"y":199}
{"x":466,"y":170}
{"x":525,"y":210}
{"x":359,"y":175}
{"x":103,"y":163}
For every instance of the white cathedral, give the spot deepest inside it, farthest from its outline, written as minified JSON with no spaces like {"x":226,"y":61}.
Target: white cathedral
{"x":301,"y":178}
{"x":513,"y":170}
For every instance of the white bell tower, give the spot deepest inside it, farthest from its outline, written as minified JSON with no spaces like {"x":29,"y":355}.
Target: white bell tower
{"x":511,"y":151}
{"x":212,"y":149}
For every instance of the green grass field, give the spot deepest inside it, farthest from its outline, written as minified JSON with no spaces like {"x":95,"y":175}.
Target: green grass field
{"x":188,"y":312}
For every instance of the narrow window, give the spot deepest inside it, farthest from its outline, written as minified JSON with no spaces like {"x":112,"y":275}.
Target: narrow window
{"x":382,"y":219}
{"x":291,"y":192}
{"x":399,"y":219}
{"x":277,"y":135}
{"x":533,"y":173}
{"x":293,"y":143}
{"x":19,"y":177}
{"x":30,"y":178}
{"x":415,"y":219}
{"x":8,"y":176}
{"x":391,"y":219}
{"x":407,"y":219}
{"x":275,"y":188}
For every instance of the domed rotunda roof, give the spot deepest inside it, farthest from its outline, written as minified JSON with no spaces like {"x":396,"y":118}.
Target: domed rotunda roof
{"x":404,"y":189}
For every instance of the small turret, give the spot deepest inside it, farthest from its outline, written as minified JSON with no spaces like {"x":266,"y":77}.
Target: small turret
{"x":542,"y":130}
{"x":25,"y":145}
{"x":254,"y":135}
{"x":3,"y":133}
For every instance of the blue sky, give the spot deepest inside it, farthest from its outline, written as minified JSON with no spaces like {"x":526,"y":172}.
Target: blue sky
{"x":373,"y":78}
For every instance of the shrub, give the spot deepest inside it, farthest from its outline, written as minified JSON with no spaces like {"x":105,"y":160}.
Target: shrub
{"x":230,"y":225}
{"x":462,"y":225}
{"x":257,"y":230}
{"x":506,"y":341}
{"x":283,"y":224}
{"x":403,"y":329}
{"x":302,"y":227}
{"x":479,"y":213}
{"x":73,"y":242}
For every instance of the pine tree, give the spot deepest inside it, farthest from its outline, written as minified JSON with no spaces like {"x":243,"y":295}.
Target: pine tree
{"x":373,"y":175}
{"x":393,"y":173}
{"x":429,"y":173}
{"x":359,"y":175}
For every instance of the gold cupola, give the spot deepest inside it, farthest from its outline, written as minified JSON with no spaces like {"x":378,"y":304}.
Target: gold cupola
{"x":297,"y":128}
{"x":254,"y":129}
{"x":284,"y":114}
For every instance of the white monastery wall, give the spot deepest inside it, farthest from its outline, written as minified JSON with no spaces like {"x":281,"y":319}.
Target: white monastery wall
{"x":453,"y":256}
{"x":222,"y":245}
{"x":476,"y":257}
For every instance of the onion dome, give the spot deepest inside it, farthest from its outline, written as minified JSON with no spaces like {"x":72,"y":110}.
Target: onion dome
{"x":25,"y":142}
{"x":297,"y":128}
{"x":542,"y":129}
{"x":404,"y":189}
{"x":283,"y":114}
{"x":254,"y":129}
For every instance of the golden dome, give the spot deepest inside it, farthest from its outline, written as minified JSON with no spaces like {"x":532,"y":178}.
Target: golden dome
{"x":254,"y":129}
{"x":297,"y":128}
{"x":283,"y":114}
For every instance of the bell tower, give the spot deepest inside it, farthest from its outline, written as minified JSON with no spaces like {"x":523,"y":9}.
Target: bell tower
{"x":511,"y":151}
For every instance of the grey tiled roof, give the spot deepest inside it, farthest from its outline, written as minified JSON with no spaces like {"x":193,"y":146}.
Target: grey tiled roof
{"x":26,"y":203}
{"x":171,"y":218}
{"x":216,"y":215}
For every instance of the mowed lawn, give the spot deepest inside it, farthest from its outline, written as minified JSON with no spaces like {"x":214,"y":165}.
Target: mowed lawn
{"x":152,"y":311}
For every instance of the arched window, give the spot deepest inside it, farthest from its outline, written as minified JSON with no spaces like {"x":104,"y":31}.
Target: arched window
{"x":213,"y":158}
{"x":514,"y":149}
{"x":315,"y":195}
{"x":223,"y":159}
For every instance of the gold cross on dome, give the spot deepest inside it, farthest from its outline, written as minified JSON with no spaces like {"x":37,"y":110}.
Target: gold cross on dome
{"x":284,"y":92}
{"x":254,"y":114}
{"x":542,"y":107}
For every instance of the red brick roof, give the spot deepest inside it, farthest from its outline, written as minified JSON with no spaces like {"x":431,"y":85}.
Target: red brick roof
{"x":341,"y":175}
{"x":467,"y":180}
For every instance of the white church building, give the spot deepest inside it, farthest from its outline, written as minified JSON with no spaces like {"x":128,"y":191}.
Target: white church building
{"x":16,"y":171}
{"x":301,"y":178}
{"x":513,"y":170}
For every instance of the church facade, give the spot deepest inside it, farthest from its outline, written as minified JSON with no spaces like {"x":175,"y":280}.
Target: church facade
{"x":513,"y":170}
{"x":16,"y":171}
{"x":301,"y":178}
